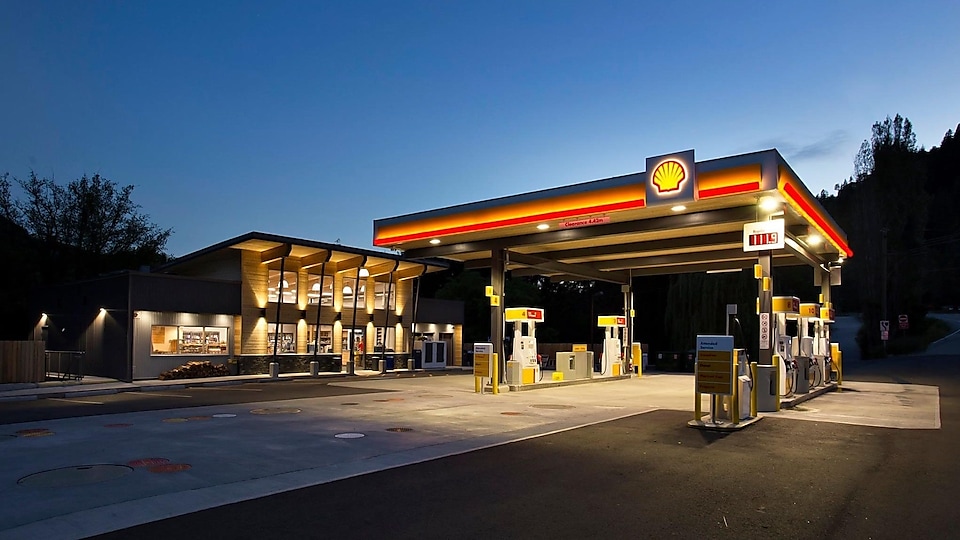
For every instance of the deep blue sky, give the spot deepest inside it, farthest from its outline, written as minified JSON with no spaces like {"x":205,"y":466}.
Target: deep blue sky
{"x":313,"y":118}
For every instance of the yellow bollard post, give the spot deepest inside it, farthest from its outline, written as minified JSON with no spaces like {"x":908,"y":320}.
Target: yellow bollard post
{"x":697,"y":406}
{"x":776,"y":371}
{"x":477,"y":383}
{"x":735,"y":402}
{"x":753,"y":390}
{"x":495,"y":381}
{"x":638,"y":359}
{"x":839,"y":368}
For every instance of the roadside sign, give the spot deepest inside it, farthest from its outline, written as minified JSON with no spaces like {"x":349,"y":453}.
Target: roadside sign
{"x":482,"y":355}
{"x":763,"y":235}
{"x":904,"y":321}
{"x":884,"y":335}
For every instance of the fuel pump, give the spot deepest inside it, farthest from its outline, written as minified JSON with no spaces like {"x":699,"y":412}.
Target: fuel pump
{"x":523,"y":366}
{"x":826,"y":348}
{"x":786,"y":309}
{"x":810,"y":328}
{"x":612,"y":356}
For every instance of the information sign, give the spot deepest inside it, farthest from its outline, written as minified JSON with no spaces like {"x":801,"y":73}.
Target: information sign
{"x":714,"y":373}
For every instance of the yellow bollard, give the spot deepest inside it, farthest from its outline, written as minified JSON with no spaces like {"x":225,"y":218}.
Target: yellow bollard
{"x":697,"y":407}
{"x":776,"y":371}
{"x":638,"y":359}
{"x":477,"y":383}
{"x":753,"y":390}
{"x":495,"y":381}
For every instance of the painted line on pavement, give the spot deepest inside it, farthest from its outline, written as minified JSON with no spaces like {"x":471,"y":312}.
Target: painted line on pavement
{"x":76,"y":401}
{"x":228,"y":389}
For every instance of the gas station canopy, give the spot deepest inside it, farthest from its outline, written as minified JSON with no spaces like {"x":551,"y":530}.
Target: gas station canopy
{"x":678,"y":216}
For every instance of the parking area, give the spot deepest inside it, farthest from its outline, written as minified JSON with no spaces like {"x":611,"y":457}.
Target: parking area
{"x":178,"y":461}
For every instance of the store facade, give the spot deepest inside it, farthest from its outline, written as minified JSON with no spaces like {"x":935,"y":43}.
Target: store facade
{"x":246,"y":302}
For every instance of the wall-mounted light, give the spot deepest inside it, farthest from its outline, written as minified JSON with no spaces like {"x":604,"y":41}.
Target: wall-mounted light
{"x":678,"y":208}
{"x":543,"y":227}
{"x":435,"y":241}
{"x":103,"y":311}
{"x":303,"y":314}
{"x":263,"y":313}
{"x":814,"y":239}
{"x":339,"y":317}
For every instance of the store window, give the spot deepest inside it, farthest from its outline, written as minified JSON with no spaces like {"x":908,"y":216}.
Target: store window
{"x":350,"y":293}
{"x":192,"y":340}
{"x":381,"y":295}
{"x":386,"y":340}
{"x":325,"y":340}
{"x":287,"y":344}
{"x":315,"y":295}
{"x":285,"y":288}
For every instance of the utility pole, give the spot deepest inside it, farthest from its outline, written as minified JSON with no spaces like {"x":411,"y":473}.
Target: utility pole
{"x":883,"y":286}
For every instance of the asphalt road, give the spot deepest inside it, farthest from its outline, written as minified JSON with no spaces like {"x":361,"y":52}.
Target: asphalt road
{"x":645,"y":476}
{"x":168,"y":398}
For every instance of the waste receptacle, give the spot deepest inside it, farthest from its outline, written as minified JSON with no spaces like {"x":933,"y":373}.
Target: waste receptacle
{"x":768,"y":389}
{"x":390,"y":361}
{"x":418,"y":359}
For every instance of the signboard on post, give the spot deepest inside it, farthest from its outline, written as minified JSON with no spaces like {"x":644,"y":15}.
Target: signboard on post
{"x":483,"y":360}
{"x":904,"y":321}
{"x":763,"y":235}
{"x":715,"y":365}
{"x":764,"y":330}
{"x":884,"y":330}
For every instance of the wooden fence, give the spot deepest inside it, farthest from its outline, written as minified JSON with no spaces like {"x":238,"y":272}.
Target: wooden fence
{"x":22,"y":362}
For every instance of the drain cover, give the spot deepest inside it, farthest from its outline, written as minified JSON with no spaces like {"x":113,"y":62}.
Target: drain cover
{"x":175,"y":420}
{"x":277,"y":410}
{"x":552,"y":406}
{"x":399,"y":429}
{"x":349,"y":435}
{"x":350,"y":403}
{"x":75,"y":476}
{"x":224,"y":415}
{"x":381,"y":400}
{"x":37,"y":432}
{"x":511,"y":413}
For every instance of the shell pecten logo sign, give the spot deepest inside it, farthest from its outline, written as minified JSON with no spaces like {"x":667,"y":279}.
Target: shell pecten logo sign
{"x":668,"y":176}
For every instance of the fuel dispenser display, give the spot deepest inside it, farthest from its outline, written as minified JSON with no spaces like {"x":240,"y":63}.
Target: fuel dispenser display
{"x":611,"y":358}
{"x":523,"y":366}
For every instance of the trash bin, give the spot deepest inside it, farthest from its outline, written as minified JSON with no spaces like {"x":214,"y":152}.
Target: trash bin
{"x":390,"y":361}
{"x":418,"y":359}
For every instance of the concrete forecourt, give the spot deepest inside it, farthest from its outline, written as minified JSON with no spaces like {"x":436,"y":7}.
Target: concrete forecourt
{"x":430,"y":458}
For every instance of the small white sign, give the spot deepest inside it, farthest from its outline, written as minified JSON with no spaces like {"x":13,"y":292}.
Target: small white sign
{"x":764,"y":330}
{"x":884,"y":326}
{"x":584,"y":222}
{"x":763,"y":235}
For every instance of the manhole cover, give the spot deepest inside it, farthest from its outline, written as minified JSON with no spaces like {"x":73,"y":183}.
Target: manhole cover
{"x":399,"y":429}
{"x":350,"y":403}
{"x":349,"y":435}
{"x":552,"y":406}
{"x":511,"y":413}
{"x":224,"y":415}
{"x":381,"y":400}
{"x":395,"y":399}
{"x":169,"y":468}
{"x":175,"y":420}
{"x":148,"y":462}
{"x":117,"y":425}
{"x":277,"y":410}
{"x":75,"y":476}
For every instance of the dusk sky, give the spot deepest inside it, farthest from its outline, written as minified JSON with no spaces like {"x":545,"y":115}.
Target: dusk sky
{"x":312,"y":119}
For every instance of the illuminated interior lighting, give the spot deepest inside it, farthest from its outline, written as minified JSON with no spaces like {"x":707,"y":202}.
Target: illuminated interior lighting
{"x":678,"y":208}
{"x":769,"y":204}
{"x":364,"y":273}
{"x":814,"y":239}
{"x":723,"y":271}
{"x":347,"y":291}
{"x":435,"y":241}
{"x":542,"y":227}
{"x":103,"y":311}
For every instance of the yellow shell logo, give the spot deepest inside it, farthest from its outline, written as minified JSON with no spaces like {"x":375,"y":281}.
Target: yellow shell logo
{"x":668,"y":176}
